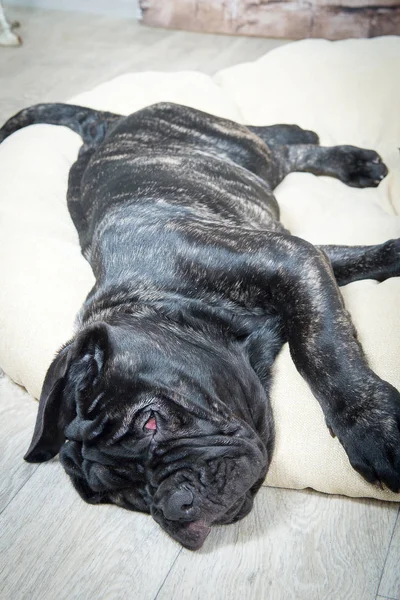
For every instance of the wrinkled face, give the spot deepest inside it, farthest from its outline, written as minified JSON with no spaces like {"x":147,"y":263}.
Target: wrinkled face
{"x":185,"y":470}
{"x":191,"y":464}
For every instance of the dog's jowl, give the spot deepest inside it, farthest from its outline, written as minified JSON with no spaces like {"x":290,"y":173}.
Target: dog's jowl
{"x":160,"y":402}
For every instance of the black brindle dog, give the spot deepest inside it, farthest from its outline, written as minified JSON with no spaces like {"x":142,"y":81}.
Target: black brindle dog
{"x":160,"y":402}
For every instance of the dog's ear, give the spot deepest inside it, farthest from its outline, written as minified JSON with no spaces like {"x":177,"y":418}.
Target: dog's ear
{"x":68,"y":383}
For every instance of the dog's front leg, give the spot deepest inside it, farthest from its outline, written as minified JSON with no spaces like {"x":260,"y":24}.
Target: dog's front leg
{"x":360,"y":408}
{"x":289,"y":276}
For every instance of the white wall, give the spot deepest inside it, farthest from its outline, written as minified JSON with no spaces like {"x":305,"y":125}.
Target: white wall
{"x":121,"y":8}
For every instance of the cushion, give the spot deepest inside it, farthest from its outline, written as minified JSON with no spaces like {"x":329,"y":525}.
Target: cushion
{"x":348,"y":92}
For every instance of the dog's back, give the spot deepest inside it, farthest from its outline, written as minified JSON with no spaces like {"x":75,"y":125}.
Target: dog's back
{"x":173,"y":156}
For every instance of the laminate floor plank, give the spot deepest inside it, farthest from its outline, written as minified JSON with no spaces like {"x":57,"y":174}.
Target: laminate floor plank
{"x":294,"y":544}
{"x":53,"y":545}
{"x":390,"y":583}
{"x":17,"y":418}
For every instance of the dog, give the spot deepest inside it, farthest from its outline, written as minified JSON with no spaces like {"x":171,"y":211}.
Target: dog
{"x":160,"y":401}
{"x":7,"y":36}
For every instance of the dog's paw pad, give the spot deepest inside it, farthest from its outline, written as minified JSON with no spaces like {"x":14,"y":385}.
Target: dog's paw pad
{"x":360,"y":168}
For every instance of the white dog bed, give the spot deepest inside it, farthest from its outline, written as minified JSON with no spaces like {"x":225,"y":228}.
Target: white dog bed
{"x":348,"y":92}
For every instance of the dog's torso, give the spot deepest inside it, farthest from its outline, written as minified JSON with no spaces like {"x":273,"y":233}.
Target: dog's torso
{"x":164,"y":157}
{"x":166,"y":186}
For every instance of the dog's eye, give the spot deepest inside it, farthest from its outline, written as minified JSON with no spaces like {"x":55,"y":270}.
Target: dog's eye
{"x":151,"y":424}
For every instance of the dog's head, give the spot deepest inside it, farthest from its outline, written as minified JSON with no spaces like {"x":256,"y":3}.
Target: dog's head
{"x":153,"y":421}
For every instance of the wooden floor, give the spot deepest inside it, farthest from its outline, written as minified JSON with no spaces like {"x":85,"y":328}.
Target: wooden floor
{"x":65,"y":53}
{"x":53,"y":546}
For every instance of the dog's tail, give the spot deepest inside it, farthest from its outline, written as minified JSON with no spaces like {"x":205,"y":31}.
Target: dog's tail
{"x":91,"y":125}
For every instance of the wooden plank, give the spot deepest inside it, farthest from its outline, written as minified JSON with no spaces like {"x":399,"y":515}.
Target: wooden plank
{"x":17,"y":418}
{"x":331,"y":19}
{"x":117,"y":8}
{"x":390,"y":584}
{"x":53,"y":545}
{"x":293,"y":545}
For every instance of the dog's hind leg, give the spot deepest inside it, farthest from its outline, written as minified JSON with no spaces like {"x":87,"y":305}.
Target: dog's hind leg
{"x":357,"y":167}
{"x":352,"y":263}
{"x":284,"y":135}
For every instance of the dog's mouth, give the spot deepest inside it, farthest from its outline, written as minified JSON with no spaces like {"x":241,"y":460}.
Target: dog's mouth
{"x":190,"y":534}
{"x":194,"y":534}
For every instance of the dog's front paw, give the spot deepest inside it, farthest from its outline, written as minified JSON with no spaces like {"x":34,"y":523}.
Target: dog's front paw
{"x":360,"y":168}
{"x":371,"y":437}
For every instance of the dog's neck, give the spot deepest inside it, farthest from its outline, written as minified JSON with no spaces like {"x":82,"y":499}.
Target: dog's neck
{"x":232,"y":321}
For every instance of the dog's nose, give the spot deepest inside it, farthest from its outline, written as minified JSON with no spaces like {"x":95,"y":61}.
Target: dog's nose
{"x":178,"y":505}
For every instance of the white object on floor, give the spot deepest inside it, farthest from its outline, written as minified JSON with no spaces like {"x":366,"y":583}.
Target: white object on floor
{"x":7,"y":35}
{"x":348,"y":92}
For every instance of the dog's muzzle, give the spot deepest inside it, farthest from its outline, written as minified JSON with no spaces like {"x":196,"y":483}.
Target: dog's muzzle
{"x":179,"y":505}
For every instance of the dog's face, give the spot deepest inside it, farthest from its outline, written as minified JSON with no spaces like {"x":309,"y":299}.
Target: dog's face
{"x":156,"y":424}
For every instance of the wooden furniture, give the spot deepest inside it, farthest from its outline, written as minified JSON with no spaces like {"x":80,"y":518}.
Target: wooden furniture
{"x":293,"y":19}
